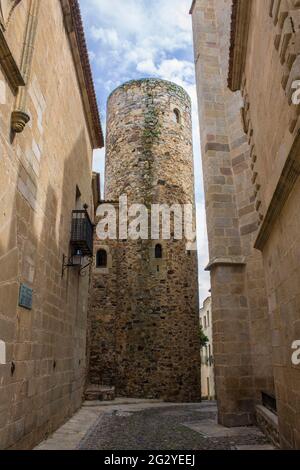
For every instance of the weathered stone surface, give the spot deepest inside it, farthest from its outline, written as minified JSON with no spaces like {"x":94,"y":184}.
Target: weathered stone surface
{"x":265,"y":80}
{"x":268,"y":422}
{"x":144,"y":311}
{"x":241,"y":330}
{"x":39,"y":171}
{"x":139,"y":424}
{"x":265,"y":164}
{"x":98,"y":392}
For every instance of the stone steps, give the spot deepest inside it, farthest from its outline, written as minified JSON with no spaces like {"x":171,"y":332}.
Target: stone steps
{"x":99,"y":393}
{"x":267,"y":421}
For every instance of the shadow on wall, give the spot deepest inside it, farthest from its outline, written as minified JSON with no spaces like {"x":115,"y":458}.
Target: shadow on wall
{"x":44,"y":376}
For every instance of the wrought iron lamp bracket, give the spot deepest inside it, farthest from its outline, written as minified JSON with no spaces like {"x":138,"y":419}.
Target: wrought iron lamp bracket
{"x":67,"y":264}
{"x":82,"y":271}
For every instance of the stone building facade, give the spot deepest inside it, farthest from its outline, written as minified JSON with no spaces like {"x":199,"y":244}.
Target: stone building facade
{"x":272,"y":125}
{"x":207,"y":360}
{"x":242,"y":341}
{"x":144,"y":297}
{"x":49,"y":128}
{"x":247,"y":58}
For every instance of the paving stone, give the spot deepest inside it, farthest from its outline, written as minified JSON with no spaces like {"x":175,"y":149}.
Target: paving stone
{"x":209,"y":429}
{"x":256,"y":447}
{"x":150,"y":425}
{"x":165,"y":427}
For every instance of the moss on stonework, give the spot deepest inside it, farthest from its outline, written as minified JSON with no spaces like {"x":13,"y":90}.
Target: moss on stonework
{"x":151,"y":134}
{"x":152,"y":128}
{"x":153,"y":82}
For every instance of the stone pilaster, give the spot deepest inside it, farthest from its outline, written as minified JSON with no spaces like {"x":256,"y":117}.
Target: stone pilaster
{"x":238,"y":301}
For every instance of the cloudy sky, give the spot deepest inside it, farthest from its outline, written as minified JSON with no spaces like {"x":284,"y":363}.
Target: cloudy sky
{"x":130,"y":39}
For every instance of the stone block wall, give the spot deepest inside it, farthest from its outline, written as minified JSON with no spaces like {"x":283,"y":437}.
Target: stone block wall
{"x":242,"y":343}
{"x":146,"y":309}
{"x":103,"y":315}
{"x":271,"y":65}
{"x":42,"y":382}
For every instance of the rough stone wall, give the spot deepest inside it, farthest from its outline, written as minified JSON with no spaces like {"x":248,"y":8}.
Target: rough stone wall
{"x":150,"y":306}
{"x":103,"y":310}
{"x":242,"y":345}
{"x":39,"y":171}
{"x":272,"y":63}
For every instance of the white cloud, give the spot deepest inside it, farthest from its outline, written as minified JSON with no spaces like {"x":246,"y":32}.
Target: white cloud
{"x":147,"y":66}
{"x":92,"y":56}
{"x":170,"y":69}
{"x":107,"y":36}
{"x":138,"y":30}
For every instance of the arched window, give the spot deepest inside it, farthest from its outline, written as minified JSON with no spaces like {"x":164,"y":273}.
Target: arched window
{"x":177,"y":116}
{"x":101,"y":259}
{"x":158,"y":252}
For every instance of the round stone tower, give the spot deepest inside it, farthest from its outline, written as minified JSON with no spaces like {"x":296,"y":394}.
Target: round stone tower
{"x":154,"y":328}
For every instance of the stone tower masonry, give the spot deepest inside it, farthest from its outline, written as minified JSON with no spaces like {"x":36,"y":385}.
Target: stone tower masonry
{"x":241,"y":324}
{"x":144,"y":307}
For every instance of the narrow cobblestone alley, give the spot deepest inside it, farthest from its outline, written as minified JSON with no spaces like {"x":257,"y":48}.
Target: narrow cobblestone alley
{"x":151,"y":425}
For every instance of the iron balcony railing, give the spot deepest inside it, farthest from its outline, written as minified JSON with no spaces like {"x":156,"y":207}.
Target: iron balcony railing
{"x":82,"y":232}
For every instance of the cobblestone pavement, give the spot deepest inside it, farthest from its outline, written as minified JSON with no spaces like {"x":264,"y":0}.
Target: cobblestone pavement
{"x":168,"y":428}
{"x":151,"y":425}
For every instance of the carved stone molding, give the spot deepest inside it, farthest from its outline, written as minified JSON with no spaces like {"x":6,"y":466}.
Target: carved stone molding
{"x":241,"y":10}
{"x":19,"y":119}
{"x":192,"y":7}
{"x":226,"y":261}
{"x":287,"y":180}
{"x":6,"y":9}
{"x":9,"y":65}
{"x":249,"y":131}
{"x":286,"y":19}
{"x":74,"y":28}
{"x":7,"y":61}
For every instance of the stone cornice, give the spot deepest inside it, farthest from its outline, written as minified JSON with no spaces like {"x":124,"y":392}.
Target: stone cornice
{"x":9,"y":65}
{"x":287,"y":180}
{"x":5,"y":20}
{"x":205,"y":302}
{"x":74,"y":27}
{"x":192,"y":7}
{"x":239,"y":38}
{"x":226,"y":261}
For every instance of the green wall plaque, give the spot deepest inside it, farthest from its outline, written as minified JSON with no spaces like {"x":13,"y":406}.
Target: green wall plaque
{"x":25,"y":297}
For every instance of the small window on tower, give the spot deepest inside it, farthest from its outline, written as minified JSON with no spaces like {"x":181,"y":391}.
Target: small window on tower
{"x":158,"y":252}
{"x":177,"y":116}
{"x":101,"y":259}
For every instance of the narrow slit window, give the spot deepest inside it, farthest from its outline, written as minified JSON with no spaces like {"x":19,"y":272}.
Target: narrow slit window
{"x":101,"y":259}
{"x":158,"y":252}
{"x":177,"y":116}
